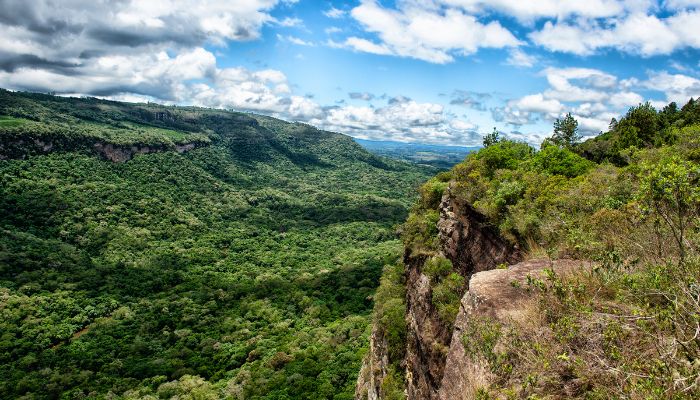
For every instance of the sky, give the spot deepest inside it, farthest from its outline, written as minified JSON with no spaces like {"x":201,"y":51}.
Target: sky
{"x":430,"y":71}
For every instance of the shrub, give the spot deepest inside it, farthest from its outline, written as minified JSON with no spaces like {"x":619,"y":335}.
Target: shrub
{"x":437,"y":267}
{"x":505,"y":154}
{"x":560,"y":161}
{"x":447,"y":295}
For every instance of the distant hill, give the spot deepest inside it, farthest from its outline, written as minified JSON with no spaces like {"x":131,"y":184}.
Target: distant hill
{"x":439,"y":156}
{"x":145,"y":249}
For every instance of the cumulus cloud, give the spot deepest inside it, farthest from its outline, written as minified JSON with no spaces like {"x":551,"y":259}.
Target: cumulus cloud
{"x":334,"y":13}
{"x":107,"y":48}
{"x":294,"y":40}
{"x":592,"y":96}
{"x":361,"y":96}
{"x":419,"y":30}
{"x":518,"y":58}
{"x":401,"y":119}
{"x":437,"y":31}
{"x":676,"y":87}
{"x":530,"y":10}
{"x":638,"y":33}
{"x":473,"y":100}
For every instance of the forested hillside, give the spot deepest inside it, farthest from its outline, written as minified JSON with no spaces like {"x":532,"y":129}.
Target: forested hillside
{"x":621,"y":320}
{"x":163,"y":251}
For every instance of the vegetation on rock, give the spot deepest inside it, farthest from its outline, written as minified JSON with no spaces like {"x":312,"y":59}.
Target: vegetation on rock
{"x":629,"y":200}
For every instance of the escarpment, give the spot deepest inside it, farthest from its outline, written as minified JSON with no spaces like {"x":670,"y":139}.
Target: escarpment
{"x":497,"y":297}
{"x":374,"y":368}
{"x":472,"y":246}
{"x":436,"y":363}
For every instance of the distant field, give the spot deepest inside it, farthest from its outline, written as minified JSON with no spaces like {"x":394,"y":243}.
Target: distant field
{"x":439,"y":156}
{"x":6,"y":121}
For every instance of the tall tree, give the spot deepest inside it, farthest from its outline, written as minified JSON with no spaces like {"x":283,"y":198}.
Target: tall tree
{"x":492,"y":138}
{"x":566,"y":131}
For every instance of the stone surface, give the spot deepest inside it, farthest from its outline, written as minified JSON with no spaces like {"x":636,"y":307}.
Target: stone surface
{"x":494,"y":295}
{"x":374,"y":368}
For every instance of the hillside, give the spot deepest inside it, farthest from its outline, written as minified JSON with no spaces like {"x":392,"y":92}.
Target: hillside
{"x":162,"y":251}
{"x":571,"y":271}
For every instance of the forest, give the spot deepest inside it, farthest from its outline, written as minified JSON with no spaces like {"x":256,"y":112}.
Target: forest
{"x":243,"y":268}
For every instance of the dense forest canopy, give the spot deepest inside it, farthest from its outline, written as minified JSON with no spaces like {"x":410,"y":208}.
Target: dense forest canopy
{"x":243,"y":267}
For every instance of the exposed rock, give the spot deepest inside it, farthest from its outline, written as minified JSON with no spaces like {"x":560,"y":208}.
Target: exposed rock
{"x":437,"y":365}
{"x":494,"y":295}
{"x":472,"y":246}
{"x":23,"y":147}
{"x":374,"y":368}
{"x":469,"y":241}
{"x":182,"y":148}
{"x":116,"y":153}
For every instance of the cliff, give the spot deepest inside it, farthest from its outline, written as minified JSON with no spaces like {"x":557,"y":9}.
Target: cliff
{"x":436,"y":363}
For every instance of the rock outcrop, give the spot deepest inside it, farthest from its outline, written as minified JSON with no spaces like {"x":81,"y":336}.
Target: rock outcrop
{"x":500,"y":296}
{"x":116,"y":153}
{"x":374,"y":368}
{"x":21,"y":148}
{"x":436,"y":363}
{"x":472,"y":246}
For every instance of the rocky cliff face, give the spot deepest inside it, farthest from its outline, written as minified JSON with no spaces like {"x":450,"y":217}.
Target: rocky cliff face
{"x":497,"y":296}
{"x":116,"y":153}
{"x":436,"y":364}
{"x":472,"y":246}
{"x":374,"y":368}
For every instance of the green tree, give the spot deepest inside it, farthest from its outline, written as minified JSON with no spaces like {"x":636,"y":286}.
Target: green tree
{"x":670,"y":192}
{"x":492,"y":138}
{"x":566,"y":132}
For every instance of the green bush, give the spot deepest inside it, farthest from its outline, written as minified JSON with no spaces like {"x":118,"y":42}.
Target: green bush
{"x":437,"y":267}
{"x":447,"y":295}
{"x":505,"y":154}
{"x":560,"y":161}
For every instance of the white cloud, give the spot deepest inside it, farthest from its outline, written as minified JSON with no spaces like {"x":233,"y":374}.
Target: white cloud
{"x":361,"y":96}
{"x":530,"y":10}
{"x":637,"y":33}
{"x":102,"y":47}
{"x":294,"y":40}
{"x":304,"y":109}
{"x":588,"y":84}
{"x":419,"y":31}
{"x":680,"y":4}
{"x":676,"y":87}
{"x":334,"y":13}
{"x":291,"y":22}
{"x":518,"y":58}
{"x":401,"y":119}
{"x":625,"y":99}
{"x":539,"y":104}
{"x":366,"y":46}
{"x":592,"y":96}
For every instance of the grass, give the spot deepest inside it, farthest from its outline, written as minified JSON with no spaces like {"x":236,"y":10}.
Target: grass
{"x":619,"y":331}
{"x":7,"y":121}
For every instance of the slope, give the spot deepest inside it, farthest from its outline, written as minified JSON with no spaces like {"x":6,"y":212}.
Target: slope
{"x":151,"y":250}
{"x":533,"y":274}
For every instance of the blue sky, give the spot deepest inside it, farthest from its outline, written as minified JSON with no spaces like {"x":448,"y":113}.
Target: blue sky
{"x":432,"y":71}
